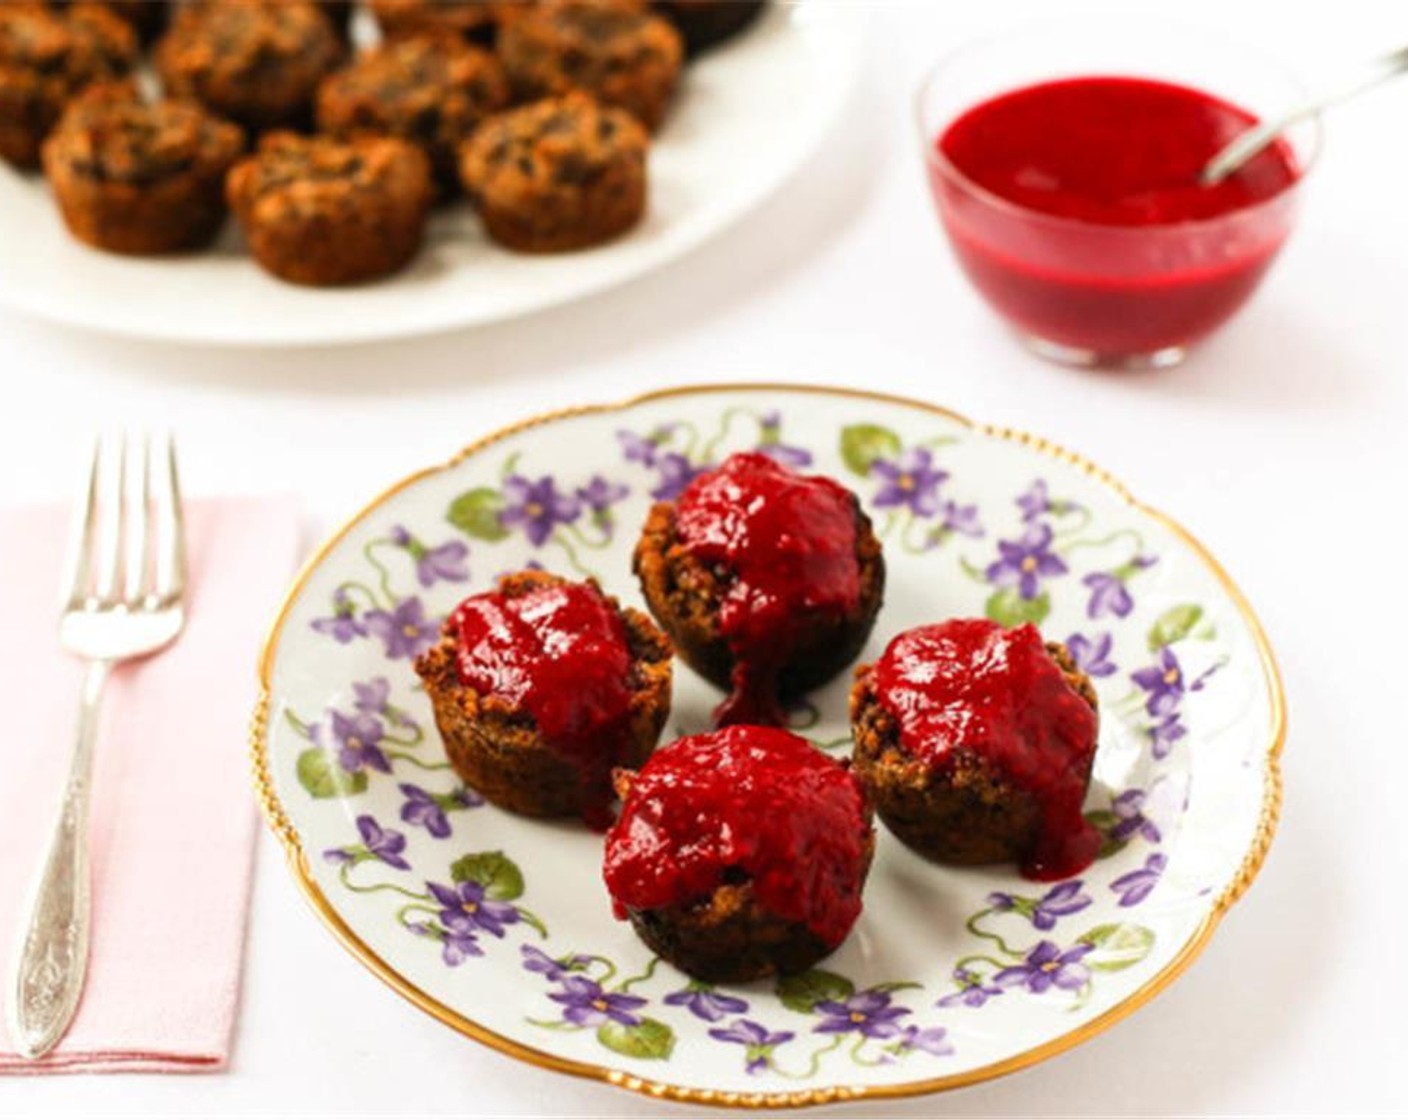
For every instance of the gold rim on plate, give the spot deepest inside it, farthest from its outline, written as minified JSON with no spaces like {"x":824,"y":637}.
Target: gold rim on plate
{"x":1251,"y":863}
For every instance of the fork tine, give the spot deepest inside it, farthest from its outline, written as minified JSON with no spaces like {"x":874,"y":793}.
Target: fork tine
{"x":112,"y":517}
{"x":140,"y":527}
{"x":170,"y":531}
{"x":85,"y":526}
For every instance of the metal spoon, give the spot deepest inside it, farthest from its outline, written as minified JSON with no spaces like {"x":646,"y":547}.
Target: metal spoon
{"x":1249,"y":143}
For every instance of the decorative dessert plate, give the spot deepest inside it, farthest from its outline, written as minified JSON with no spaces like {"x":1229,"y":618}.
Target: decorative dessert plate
{"x":500,"y":926}
{"x":749,"y":114}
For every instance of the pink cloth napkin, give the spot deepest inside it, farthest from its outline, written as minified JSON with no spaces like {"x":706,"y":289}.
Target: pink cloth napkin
{"x":173,"y":818}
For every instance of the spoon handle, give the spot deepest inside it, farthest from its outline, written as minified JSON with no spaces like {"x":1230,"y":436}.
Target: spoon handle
{"x":1254,"y":140}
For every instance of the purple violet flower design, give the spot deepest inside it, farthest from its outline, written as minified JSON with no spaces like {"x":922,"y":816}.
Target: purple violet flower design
{"x":972,"y":992}
{"x":1108,"y":595}
{"x":760,"y":1042}
{"x":459,"y":945}
{"x":867,"y":1012}
{"x":405,"y":632}
{"x":770,"y":443}
{"x":706,"y":1004}
{"x":1130,"y":820}
{"x":1163,"y":736}
{"x":535,"y":960}
{"x":1092,"y":655}
{"x":427,"y":809}
{"x":676,"y":472}
{"x":1135,"y":886}
{"x":373,"y":696}
{"x":537,"y":507}
{"x":1164,"y":683}
{"x":599,"y":495}
{"x":911,"y":480}
{"x":1023,"y":563}
{"x":1048,"y":965}
{"x":1061,"y":900}
{"x":960,"y":520}
{"x":443,"y":562}
{"x":587,"y":1005}
{"x":384,"y":843}
{"x":932,"y":1040}
{"x":1036,"y":501}
{"x":643,"y":449}
{"x":466,"y":909}
{"x":342,"y":625}
{"x":358,"y":742}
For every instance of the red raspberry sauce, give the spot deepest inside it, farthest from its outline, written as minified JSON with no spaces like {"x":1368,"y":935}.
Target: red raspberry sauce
{"x":789,"y":543}
{"x":970,"y":684}
{"x":561,"y":654}
{"x":753,"y":799}
{"x":1116,"y":154}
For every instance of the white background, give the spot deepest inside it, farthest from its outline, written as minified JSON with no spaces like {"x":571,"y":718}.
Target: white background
{"x":1281,"y":444}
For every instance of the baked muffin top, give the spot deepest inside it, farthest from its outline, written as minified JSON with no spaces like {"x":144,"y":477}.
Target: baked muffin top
{"x":301,"y":176}
{"x":111,"y":135}
{"x":236,"y":37}
{"x":82,"y":44}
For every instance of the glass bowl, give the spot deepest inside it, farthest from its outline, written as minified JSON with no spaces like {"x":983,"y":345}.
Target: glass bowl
{"x":1110,"y":296}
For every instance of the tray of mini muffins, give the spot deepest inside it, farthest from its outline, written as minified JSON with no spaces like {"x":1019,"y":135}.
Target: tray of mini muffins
{"x":712,"y":688}
{"x":540,"y":112}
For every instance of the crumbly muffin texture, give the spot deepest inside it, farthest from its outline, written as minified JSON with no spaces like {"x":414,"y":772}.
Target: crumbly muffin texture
{"x":132,"y":177}
{"x":45,"y":58}
{"x":252,"y":61}
{"x":475,"y":20}
{"x":615,"y":50}
{"x":433,"y":90}
{"x":322,"y":211}
{"x":560,"y":174}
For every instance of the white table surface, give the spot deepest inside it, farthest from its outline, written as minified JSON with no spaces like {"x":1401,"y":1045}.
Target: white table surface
{"x":1281,"y":444}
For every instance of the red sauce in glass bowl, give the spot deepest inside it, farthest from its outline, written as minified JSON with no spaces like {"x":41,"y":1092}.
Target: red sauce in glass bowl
{"x":752,"y":800}
{"x":973,"y":685}
{"x":561,"y":654}
{"x":788,"y":544}
{"x":1078,"y":213}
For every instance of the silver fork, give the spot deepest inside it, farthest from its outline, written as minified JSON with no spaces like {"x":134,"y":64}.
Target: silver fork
{"x":125,"y":600}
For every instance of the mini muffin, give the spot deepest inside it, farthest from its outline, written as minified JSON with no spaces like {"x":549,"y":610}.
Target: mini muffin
{"x":740,"y":854}
{"x":321,"y":211}
{"x":474,"y":20}
{"x":767,"y":581}
{"x":975,"y":743}
{"x":137,"y":178}
{"x":706,"y":23}
{"x":432,"y":90}
{"x":560,"y":174}
{"x":613,"y":49}
{"x":256,"y":62}
{"x":543,"y":686}
{"x":45,"y":58}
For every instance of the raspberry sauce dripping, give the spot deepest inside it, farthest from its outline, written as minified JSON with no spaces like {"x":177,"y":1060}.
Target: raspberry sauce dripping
{"x":788,"y":542}
{"x":971,"y":684}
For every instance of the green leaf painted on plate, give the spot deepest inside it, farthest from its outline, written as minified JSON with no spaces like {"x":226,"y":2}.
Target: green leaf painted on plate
{"x":805,"y":990}
{"x":1174,"y":625}
{"x":862,"y":444}
{"x":321,"y":776}
{"x":1008,"y":608}
{"x":1104,"y":822}
{"x":476,"y":513}
{"x":494,"y":871}
{"x":650,"y":1039}
{"x":1116,"y":945}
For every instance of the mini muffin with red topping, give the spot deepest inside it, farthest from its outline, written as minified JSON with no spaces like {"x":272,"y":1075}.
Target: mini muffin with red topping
{"x":257,"y":62}
{"x":474,"y":20}
{"x":45,"y":58}
{"x":707,"y":23}
{"x":322,"y":211}
{"x":562,"y":174}
{"x":975,"y":743}
{"x":541,"y":688}
{"x":616,"y":50}
{"x":740,"y":854}
{"x":132,"y":177}
{"x":433,"y":90}
{"x":767,"y":581}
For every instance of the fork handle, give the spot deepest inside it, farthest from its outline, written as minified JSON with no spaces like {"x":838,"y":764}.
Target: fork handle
{"x":53,"y":959}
